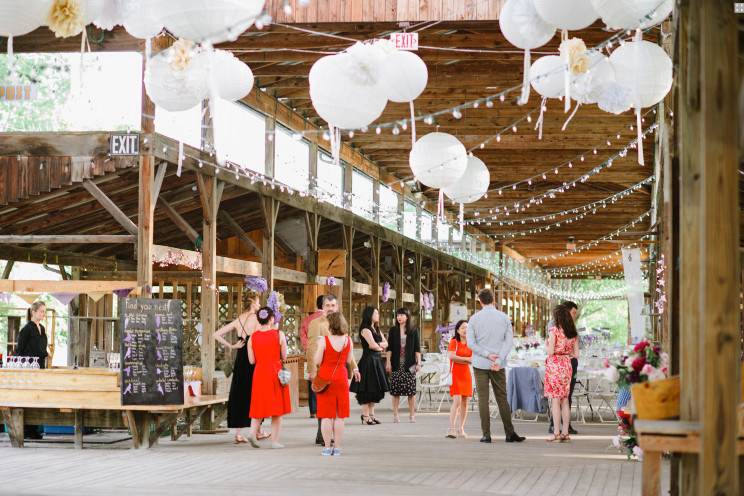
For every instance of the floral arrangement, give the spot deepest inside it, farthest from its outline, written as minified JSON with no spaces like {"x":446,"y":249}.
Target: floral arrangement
{"x":66,"y":18}
{"x":427,"y":301}
{"x":626,"y":439}
{"x":275,"y":303}
{"x":330,"y":281}
{"x":446,"y":332}
{"x":256,"y":283}
{"x":661,"y":299}
{"x":171,"y":257}
{"x":645,"y":363}
{"x":181,"y":54}
{"x":385,"y":292}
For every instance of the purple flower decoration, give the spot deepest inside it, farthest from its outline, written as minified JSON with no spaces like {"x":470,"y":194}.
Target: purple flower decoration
{"x":123,"y":293}
{"x":256,"y":283}
{"x":430,"y":300}
{"x":385,"y":292}
{"x":5,"y":297}
{"x":331,"y":281}
{"x":263,"y":313}
{"x":273,"y":303}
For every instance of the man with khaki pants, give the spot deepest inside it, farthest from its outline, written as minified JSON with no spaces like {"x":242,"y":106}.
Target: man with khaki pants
{"x":490,"y":338}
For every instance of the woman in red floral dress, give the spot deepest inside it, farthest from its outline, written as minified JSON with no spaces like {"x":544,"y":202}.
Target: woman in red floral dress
{"x":563,"y":344}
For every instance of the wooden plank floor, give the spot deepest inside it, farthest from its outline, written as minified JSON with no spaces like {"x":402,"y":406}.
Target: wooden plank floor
{"x":390,"y":459}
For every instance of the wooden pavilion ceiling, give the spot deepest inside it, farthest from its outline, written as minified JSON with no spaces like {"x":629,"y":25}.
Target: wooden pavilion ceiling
{"x":281,"y":58}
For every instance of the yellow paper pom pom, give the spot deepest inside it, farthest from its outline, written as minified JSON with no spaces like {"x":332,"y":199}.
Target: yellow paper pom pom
{"x":65,"y":18}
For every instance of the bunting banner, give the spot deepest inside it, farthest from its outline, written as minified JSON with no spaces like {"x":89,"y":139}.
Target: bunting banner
{"x":64,"y":298}
{"x":97,"y":295}
{"x":28,"y":297}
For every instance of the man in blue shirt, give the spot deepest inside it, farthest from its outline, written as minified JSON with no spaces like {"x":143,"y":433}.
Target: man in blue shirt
{"x":490,"y":338}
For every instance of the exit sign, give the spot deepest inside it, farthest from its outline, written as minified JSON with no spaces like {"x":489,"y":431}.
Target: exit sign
{"x":124,"y":144}
{"x":405,"y":41}
{"x":16,"y":92}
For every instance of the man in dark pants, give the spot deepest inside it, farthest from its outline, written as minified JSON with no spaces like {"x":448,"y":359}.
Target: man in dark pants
{"x":574,"y":310}
{"x":304,"y":327}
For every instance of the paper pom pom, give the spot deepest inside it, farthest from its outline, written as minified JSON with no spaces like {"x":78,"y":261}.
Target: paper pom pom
{"x":575,"y":50}
{"x":256,"y":283}
{"x":614,"y":98}
{"x":65,"y":18}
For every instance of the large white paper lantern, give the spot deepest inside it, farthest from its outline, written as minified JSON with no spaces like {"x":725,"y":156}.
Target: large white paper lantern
{"x":585,"y":88}
{"x":567,"y":14}
{"x":438,"y":160}
{"x":20,"y":17}
{"x":632,"y":14}
{"x":177,"y":89}
{"x":140,"y":18}
{"x":212,"y":21}
{"x":546,"y":76}
{"x":234,"y":79}
{"x":645,"y":69}
{"x":340,"y":97}
{"x":109,"y":16}
{"x":473,"y":184}
{"x":93,"y":10}
{"x":404,"y":75}
{"x":522,"y":26}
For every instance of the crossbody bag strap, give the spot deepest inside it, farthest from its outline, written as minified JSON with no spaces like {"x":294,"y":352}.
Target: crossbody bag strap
{"x":452,"y":362}
{"x":338,"y":360}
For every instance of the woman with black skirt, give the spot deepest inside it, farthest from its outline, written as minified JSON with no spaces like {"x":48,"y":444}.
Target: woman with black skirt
{"x":373,"y":384}
{"x":403,"y":362}
{"x":32,"y":342}
{"x":239,"y":401}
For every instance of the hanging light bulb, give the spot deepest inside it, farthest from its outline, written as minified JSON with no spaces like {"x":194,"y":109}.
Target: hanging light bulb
{"x":456,"y":114}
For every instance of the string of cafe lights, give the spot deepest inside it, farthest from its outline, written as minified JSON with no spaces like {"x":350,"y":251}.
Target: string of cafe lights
{"x":601,"y":263}
{"x":589,"y":207}
{"x":595,"y":242}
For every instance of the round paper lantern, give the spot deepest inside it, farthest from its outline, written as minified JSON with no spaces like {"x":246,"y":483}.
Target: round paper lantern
{"x":140,"y":18}
{"x":473,"y":184}
{"x":18,"y":18}
{"x":93,"y":10}
{"x":632,"y":14}
{"x":645,"y":69}
{"x":585,"y":87}
{"x":522,"y":26}
{"x":109,"y":16}
{"x":546,"y":76}
{"x":567,"y":14}
{"x":339,"y":97}
{"x":234,"y":79}
{"x":438,"y":160}
{"x":174,"y":89}
{"x":212,"y":21}
{"x":404,"y":76}
{"x":613,"y":98}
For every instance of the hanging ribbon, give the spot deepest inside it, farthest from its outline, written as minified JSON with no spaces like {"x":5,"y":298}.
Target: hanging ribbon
{"x":11,"y":59}
{"x":540,"y":120}
{"x":148,"y":49}
{"x":576,"y":109}
{"x":335,"y":136}
{"x":413,"y":124}
{"x":566,"y":76}
{"x":440,"y":206}
{"x":461,"y":219}
{"x":180,"y":158}
{"x":525,"y":96}
{"x":639,"y":130}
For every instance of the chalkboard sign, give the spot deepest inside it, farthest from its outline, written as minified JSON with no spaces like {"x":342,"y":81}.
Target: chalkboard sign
{"x":151,"y":352}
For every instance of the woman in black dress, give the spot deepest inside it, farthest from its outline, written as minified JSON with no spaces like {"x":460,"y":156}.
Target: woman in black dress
{"x":403,"y":362}
{"x":239,"y":401}
{"x":32,"y":342}
{"x":373,"y":384}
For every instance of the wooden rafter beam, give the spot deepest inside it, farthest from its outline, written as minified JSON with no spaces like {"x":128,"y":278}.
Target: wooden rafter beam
{"x":110,"y":206}
{"x":71,"y":286}
{"x":178,"y":220}
{"x":67,"y":239}
{"x":238,"y":231}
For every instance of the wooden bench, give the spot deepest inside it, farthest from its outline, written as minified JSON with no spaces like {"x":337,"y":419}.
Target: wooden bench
{"x":90,"y":398}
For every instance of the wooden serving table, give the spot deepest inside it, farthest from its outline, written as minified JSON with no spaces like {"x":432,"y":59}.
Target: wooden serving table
{"x":88,"y":397}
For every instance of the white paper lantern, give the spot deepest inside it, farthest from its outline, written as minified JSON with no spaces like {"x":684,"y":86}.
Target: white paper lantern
{"x":613,"y":98}
{"x":645,"y":69}
{"x":522,"y":26}
{"x":404,"y":75}
{"x":585,"y":88}
{"x":93,"y":10}
{"x":174,"y":89}
{"x":473,"y":184}
{"x":632,"y":14}
{"x":546,"y":76}
{"x":338,"y":96}
{"x":567,"y":14}
{"x":109,"y":16}
{"x":213,"y":21}
{"x":438,"y":160}
{"x":140,"y":18}
{"x":20,"y":17}
{"x":234,"y":79}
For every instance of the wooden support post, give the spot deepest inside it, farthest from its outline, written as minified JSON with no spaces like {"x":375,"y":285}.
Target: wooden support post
{"x":400,"y":254}
{"x":110,"y":206}
{"x":348,"y":282}
{"x":438,"y":303}
{"x":312,"y":227}
{"x":376,"y":244}
{"x":67,"y":238}
{"x":417,"y":290}
{"x":158,"y":183}
{"x":79,"y":428}
{"x":270,"y":146}
{"x":179,"y":221}
{"x":13,"y":419}
{"x":7,"y":269}
{"x":208,"y":195}
{"x":270,"y":208}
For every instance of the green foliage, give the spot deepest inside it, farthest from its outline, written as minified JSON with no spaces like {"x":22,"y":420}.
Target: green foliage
{"x":607,"y":314}
{"x":50,"y":74}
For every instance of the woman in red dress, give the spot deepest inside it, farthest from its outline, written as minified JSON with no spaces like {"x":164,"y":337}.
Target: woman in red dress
{"x":563,"y":345}
{"x":461,"y":390}
{"x":267,"y":348}
{"x":333,"y":354}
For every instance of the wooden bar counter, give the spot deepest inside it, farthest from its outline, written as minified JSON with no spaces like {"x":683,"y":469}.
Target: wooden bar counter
{"x":89,"y":397}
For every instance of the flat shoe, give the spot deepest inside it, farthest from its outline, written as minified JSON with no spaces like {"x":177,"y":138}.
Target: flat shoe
{"x":277,"y":446}
{"x":253,"y":441}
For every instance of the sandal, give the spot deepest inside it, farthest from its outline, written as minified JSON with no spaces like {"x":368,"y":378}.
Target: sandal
{"x":261,"y":436}
{"x":240,"y":439}
{"x":462,"y":435}
{"x":555,"y":439}
{"x":367,"y":420}
{"x":412,"y":419}
{"x":374,"y":420}
{"x":565,"y":438}
{"x":396,"y":418}
{"x":451,"y":434}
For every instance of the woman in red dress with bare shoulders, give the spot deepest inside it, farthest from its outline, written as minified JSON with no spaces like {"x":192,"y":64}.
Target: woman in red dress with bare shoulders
{"x":267,"y":348}
{"x":563,"y":344}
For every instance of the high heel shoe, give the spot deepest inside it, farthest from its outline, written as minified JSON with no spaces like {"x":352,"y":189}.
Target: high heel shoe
{"x":412,"y":419}
{"x":374,"y":420}
{"x":367,"y":420}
